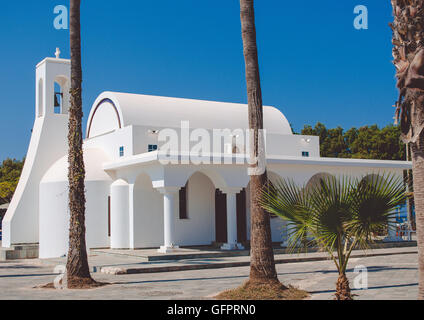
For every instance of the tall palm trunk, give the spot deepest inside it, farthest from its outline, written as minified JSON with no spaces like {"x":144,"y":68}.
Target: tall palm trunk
{"x":78,"y":273}
{"x":408,"y":52}
{"x":262,"y":265}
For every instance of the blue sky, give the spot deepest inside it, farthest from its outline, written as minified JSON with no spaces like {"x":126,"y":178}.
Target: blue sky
{"x":315,"y":66}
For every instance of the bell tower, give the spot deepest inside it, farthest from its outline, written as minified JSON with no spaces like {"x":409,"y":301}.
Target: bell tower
{"x":52,"y":86}
{"x":48,"y":144}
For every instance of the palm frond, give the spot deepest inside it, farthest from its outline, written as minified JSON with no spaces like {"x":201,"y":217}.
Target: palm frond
{"x":286,"y":200}
{"x":338,"y":212}
{"x":376,"y":199}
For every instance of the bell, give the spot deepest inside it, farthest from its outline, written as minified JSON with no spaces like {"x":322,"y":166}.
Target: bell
{"x":56,"y":100}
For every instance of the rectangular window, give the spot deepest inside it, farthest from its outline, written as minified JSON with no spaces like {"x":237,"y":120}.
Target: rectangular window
{"x":152,"y":147}
{"x":184,"y":203}
{"x":305,"y":154}
{"x":121,"y":151}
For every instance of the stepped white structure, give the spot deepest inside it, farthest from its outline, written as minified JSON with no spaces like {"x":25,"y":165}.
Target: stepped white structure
{"x":134,"y":198}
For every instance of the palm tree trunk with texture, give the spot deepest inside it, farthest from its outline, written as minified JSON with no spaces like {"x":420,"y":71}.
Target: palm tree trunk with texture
{"x":262,"y":265}
{"x":408,"y":53}
{"x":78,"y":272}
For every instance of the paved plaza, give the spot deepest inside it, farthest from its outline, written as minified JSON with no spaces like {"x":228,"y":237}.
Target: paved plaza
{"x":390,"y":277}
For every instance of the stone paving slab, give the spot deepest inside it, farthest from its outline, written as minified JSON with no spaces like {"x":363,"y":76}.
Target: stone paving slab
{"x":390,"y":277}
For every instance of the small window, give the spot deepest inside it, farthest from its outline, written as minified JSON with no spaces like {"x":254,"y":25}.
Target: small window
{"x":121,"y":151}
{"x":152,"y":147}
{"x":184,"y":203}
{"x":305,"y":154}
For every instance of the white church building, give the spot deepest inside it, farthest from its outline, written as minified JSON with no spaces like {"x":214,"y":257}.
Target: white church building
{"x":136,"y":200}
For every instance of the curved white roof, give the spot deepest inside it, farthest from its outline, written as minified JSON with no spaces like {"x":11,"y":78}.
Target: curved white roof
{"x":93,"y":159}
{"x":113,"y":110}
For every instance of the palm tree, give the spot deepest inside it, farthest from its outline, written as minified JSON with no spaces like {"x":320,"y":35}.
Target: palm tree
{"x":78,"y":272}
{"x":408,"y":53}
{"x":262,"y":265}
{"x":337,"y":215}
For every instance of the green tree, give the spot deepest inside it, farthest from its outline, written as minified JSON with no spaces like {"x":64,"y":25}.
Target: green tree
{"x":374,"y":143}
{"x":10,"y":172}
{"x":367,"y":142}
{"x":336,"y":214}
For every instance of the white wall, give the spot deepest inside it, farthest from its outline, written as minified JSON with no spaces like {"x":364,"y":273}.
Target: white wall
{"x":136,"y":140}
{"x":54,"y":217}
{"x":54,"y":220}
{"x":148,"y":214}
{"x":292,"y":145}
{"x":199,"y":228}
{"x":111,"y":142}
{"x":20,"y":224}
{"x":54,"y":211}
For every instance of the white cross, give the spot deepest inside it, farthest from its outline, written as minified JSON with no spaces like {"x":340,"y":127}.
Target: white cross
{"x":57,"y":53}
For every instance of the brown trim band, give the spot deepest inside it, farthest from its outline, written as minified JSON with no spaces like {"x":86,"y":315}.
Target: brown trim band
{"x":95,"y":110}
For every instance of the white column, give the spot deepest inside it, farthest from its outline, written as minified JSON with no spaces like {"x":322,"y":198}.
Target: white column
{"x":131,"y":213}
{"x":119,"y":225}
{"x":232,"y":220}
{"x":169,"y":195}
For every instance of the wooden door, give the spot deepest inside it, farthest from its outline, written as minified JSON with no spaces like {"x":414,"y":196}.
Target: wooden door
{"x":220,"y":216}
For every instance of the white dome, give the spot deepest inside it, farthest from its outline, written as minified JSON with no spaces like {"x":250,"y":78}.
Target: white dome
{"x":113,"y":110}
{"x":93,"y":160}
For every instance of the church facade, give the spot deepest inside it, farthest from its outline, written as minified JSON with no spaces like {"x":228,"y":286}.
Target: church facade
{"x":138,"y":196}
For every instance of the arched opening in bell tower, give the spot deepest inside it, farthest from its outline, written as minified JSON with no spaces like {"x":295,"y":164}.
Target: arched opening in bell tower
{"x":58,"y":98}
{"x":61,"y":95}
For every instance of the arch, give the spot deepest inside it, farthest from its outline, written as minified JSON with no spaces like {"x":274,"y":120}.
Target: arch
{"x":371,"y":178}
{"x":95,"y":111}
{"x":316,"y":179}
{"x":203,"y":173}
{"x":61,"y":87}
{"x":217,"y":180}
{"x":198,"y":227}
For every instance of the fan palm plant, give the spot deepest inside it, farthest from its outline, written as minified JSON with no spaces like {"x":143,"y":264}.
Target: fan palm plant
{"x":337,"y":214}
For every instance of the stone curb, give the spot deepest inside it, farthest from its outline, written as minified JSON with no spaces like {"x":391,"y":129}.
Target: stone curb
{"x":125,"y":271}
